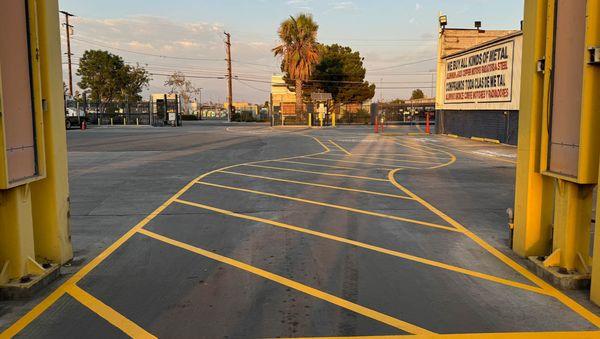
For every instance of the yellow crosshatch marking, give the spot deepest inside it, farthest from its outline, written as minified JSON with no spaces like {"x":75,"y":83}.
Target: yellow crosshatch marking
{"x":319,"y":173}
{"x":384,"y":318}
{"x":321,"y":165}
{"x":346,"y":208}
{"x":132,"y":329}
{"x":319,"y":185}
{"x":369,"y":247}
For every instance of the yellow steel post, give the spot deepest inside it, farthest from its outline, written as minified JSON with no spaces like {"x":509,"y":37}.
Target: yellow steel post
{"x":592,"y":102}
{"x":534,"y":192}
{"x":333,"y":119}
{"x":50,"y":197}
{"x":573,"y":211}
{"x":17,"y":253}
{"x":309,"y":119}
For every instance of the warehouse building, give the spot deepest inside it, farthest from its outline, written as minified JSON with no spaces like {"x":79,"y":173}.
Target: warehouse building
{"x":478,"y":87}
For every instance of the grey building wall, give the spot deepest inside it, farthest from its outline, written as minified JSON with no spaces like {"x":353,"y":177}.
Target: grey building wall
{"x":493,"y":124}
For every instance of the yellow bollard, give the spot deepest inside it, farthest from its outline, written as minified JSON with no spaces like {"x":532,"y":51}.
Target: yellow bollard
{"x":309,"y":119}
{"x":333,"y":119}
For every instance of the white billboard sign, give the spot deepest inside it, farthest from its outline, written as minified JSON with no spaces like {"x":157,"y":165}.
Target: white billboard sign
{"x":482,"y":76}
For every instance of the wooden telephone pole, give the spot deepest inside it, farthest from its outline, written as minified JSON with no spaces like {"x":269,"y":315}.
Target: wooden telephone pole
{"x":229,"y":77}
{"x":68,"y":31}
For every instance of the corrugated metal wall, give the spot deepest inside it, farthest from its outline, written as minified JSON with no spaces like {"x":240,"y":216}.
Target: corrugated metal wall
{"x":499,"y":125}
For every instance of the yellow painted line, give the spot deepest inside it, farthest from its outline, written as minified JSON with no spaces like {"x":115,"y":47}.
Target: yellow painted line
{"x":30,"y":316}
{"x":390,"y":159}
{"x":383,"y":318}
{"x":414,"y":147}
{"x":319,"y":185}
{"x":450,"y":162}
{"x":322,"y":144}
{"x":504,"y":335}
{"x":370,"y":247}
{"x":50,"y":299}
{"x":425,"y":156}
{"x":115,"y":318}
{"x":574,"y":306}
{"x":340,"y":147}
{"x":320,"y":165}
{"x":359,"y":162}
{"x":340,"y":207}
{"x":477,"y":155}
{"x":43,"y":305}
{"x":319,"y":173}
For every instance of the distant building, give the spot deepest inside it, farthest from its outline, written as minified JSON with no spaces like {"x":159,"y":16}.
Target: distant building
{"x":283,"y":100}
{"x":244,"y":107}
{"x":478,"y":83}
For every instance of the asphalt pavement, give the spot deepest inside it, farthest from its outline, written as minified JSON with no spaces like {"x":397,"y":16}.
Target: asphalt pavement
{"x":236,"y":231}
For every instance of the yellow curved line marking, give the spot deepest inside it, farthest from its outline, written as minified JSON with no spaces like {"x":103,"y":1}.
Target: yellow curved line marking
{"x":381,"y":317}
{"x":574,"y":306}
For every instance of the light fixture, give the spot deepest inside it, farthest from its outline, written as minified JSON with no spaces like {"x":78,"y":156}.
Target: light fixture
{"x":443,"y":21}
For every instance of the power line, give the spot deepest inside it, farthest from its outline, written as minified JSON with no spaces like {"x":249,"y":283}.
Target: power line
{"x":250,"y":86}
{"x":402,"y":65}
{"x":146,"y":54}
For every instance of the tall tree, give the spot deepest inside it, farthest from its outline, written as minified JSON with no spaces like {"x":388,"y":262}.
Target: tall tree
{"x":105,"y":77}
{"x":299,"y":50}
{"x":340,"y":71}
{"x":134,"y":80}
{"x":183,"y":87}
{"x":417,"y":94}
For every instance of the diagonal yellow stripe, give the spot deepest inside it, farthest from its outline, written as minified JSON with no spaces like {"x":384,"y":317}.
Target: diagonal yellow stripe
{"x":345,"y":208}
{"x":369,"y":247}
{"x":322,"y":165}
{"x":319,"y":173}
{"x":390,"y":159}
{"x":381,"y":317}
{"x":340,"y":147}
{"x":115,"y":318}
{"x":319,"y":185}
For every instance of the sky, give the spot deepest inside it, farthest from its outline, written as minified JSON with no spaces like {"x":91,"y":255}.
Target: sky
{"x":187,"y":36}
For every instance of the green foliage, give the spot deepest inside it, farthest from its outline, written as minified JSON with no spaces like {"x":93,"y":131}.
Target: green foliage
{"x":397,"y":102}
{"x":106,"y":77}
{"x":417,"y":94}
{"x":341,"y":72}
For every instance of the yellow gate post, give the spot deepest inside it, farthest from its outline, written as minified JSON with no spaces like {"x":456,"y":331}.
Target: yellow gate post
{"x":533,"y":192}
{"x":34,"y":203}
{"x":559,"y":145}
{"x":50,"y":196}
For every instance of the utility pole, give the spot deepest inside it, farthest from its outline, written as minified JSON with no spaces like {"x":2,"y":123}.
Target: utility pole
{"x":229,"y":77}
{"x":68,"y":28}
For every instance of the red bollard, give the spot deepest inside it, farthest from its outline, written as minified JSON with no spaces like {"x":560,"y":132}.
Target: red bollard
{"x":427,"y":128}
{"x":376,"y":125}
{"x":83,"y":125}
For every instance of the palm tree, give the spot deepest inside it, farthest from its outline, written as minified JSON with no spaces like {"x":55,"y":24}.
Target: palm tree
{"x":299,"y":49}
